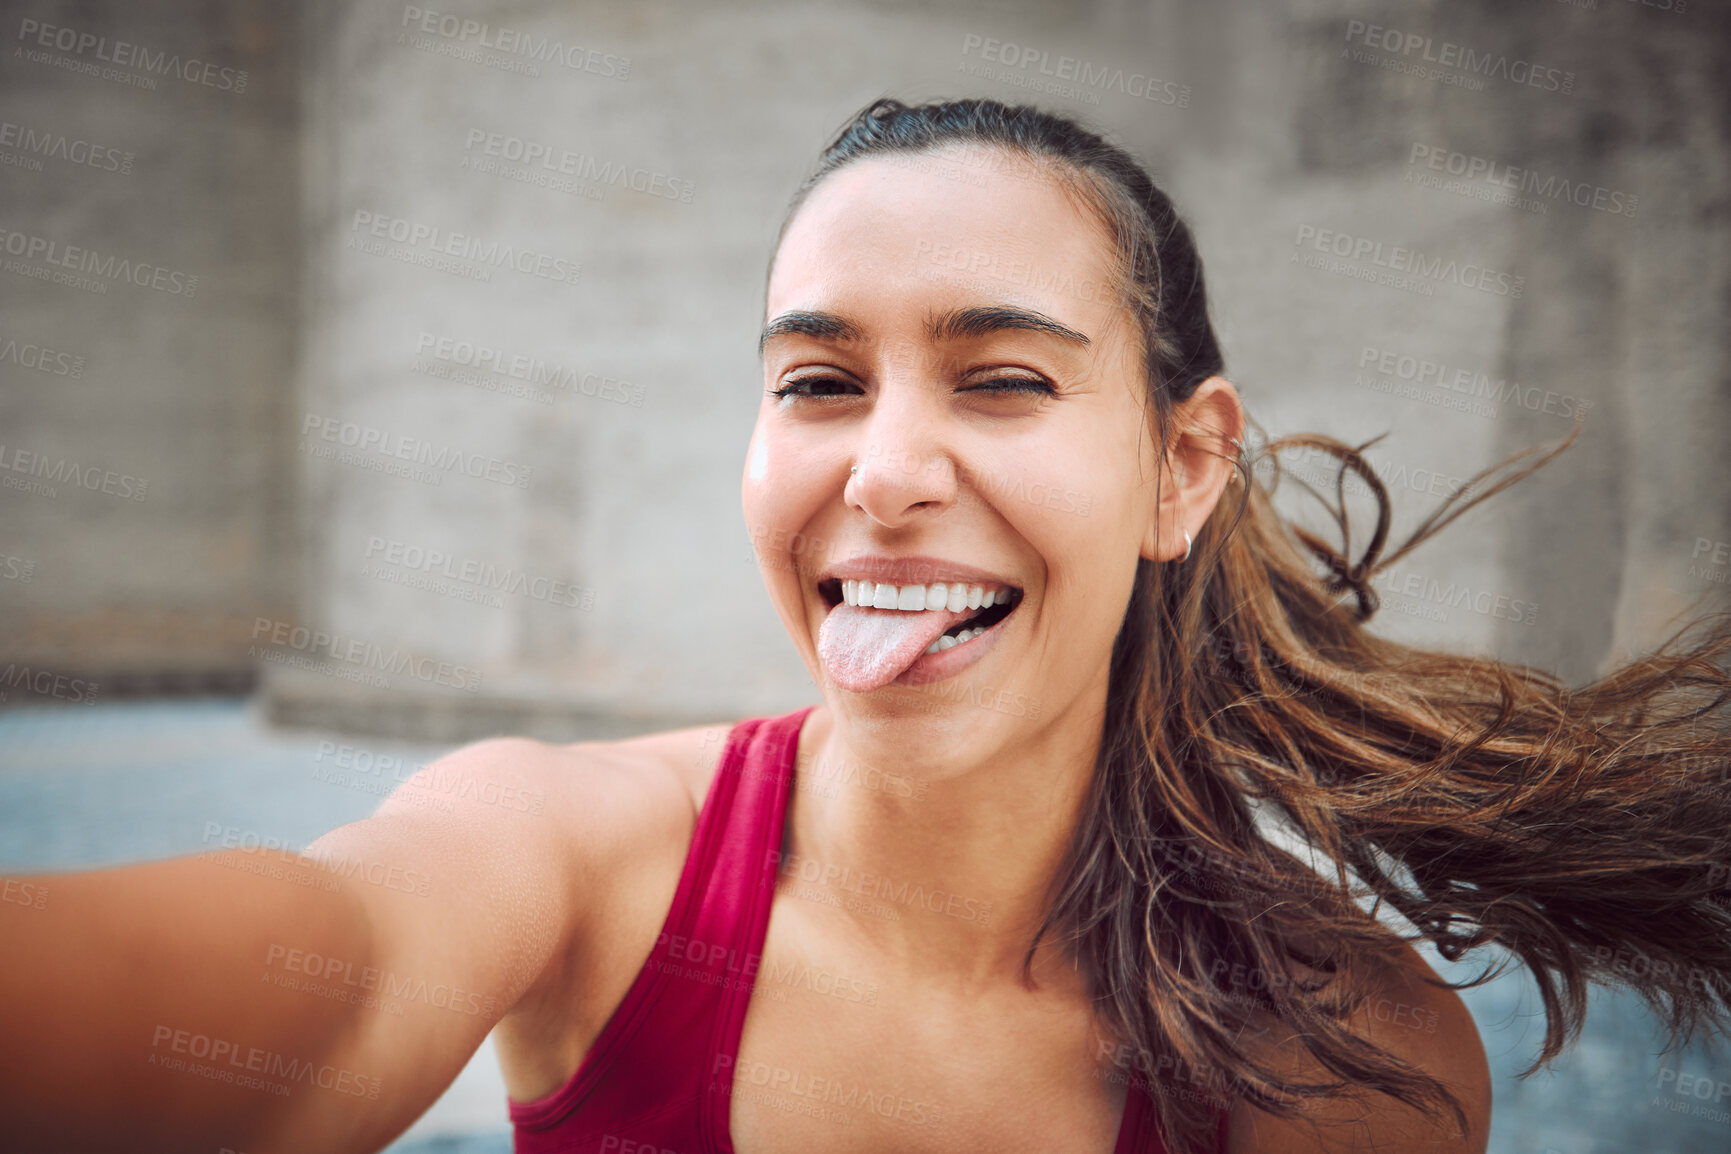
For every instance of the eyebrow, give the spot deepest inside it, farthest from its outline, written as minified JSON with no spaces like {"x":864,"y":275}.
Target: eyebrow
{"x":983,"y":319}
{"x":954,"y":325}
{"x":809,"y":323}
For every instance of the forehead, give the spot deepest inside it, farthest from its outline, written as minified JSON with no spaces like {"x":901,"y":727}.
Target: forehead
{"x":933,"y":230}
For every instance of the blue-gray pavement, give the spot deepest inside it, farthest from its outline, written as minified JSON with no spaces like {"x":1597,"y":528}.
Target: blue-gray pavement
{"x":489,"y":1143}
{"x":84,"y":786}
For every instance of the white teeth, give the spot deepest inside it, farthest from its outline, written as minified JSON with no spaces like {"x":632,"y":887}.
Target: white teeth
{"x":953,"y":596}
{"x":949,"y":642}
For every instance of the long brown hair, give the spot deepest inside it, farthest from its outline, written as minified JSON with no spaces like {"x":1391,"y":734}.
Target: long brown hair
{"x":1490,"y":804}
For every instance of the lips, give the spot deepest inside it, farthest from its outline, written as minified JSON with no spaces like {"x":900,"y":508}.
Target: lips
{"x":911,"y":571}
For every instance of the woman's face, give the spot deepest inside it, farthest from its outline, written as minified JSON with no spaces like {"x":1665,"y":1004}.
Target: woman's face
{"x":955,"y":339}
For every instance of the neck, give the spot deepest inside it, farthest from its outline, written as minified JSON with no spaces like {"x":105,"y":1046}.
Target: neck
{"x":937,"y":843}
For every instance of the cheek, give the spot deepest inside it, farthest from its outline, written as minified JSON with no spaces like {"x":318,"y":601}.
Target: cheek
{"x":1083,"y":505}
{"x":1071,"y":488}
{"x":778,"y":510}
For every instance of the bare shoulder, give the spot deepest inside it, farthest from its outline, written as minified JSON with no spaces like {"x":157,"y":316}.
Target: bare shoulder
{"x":583,"y":845}
{"x":535,"y":875}
{"x":547,"y":843}
{"x":583,"y":811}
{"x":1410,"y":1015}
{"x":628,"y":803}
{"x":597,"y":786}
{"x":688,"y":756}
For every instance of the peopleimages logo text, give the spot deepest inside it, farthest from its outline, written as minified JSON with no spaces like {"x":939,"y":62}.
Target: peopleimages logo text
{"x":27,"y":355}
{"x":1447,"y":54}
{"x":128,"y":55}
{"x":361,"y":653}
{"x":59,"y":146}
{"x":523,"y":367}
{"x":1081,"y":72}
{"x":437,"y":242}
{"x":513,"y":42}
{"x":581,"y":165}
{"x":65,"y":471}
{"x":1526,"y":180}
{"x":1398,"y":258}
{"x":365,"y":438}
{"x":30,"y":247}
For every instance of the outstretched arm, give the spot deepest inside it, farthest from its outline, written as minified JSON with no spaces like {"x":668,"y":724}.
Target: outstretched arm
{"x":267,"y":1001}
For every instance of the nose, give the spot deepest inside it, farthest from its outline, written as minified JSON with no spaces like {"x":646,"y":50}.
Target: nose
{"x":901,"y":469}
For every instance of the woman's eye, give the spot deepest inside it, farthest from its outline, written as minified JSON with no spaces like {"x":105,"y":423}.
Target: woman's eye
{"x":840,"y":387}
{"x":1009,"y":386}
{"x":815,"y":387}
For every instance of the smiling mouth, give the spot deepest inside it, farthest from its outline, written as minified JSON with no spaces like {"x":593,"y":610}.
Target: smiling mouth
{"x":979,"y":606}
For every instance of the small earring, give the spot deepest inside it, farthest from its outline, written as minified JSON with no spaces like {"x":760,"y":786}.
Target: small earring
{"x":1187,"y":544}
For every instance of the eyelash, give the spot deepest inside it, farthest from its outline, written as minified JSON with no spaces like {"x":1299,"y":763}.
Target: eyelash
{"x":1000,"y":386}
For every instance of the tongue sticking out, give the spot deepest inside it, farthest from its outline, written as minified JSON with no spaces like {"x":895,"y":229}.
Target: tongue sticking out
{"x":865,"y":649}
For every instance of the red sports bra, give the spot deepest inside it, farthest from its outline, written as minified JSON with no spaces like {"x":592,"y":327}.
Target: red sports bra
{"x":659,"y":1077}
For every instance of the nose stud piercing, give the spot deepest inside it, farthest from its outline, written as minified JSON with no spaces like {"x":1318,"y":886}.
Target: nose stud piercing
{"x":855,"y":469}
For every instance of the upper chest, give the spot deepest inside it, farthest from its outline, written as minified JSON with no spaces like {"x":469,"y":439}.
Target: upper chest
{"x":843,"y":1051}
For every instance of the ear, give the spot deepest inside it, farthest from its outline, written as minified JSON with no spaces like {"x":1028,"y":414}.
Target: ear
{"x":1206,"y":431}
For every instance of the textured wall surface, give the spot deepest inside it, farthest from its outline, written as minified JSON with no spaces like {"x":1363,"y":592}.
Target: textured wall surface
{"x":150,"y":177}
{"x":567,"y":556}
{"x":1279,"y":134}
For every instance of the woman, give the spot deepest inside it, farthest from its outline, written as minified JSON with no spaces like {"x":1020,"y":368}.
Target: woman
{"x":1018,"y":883}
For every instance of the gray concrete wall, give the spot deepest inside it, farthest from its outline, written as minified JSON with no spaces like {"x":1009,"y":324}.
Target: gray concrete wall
{"x":600,"y":580}
{"x":1273,"y":130}
{"x":146,"y":508}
